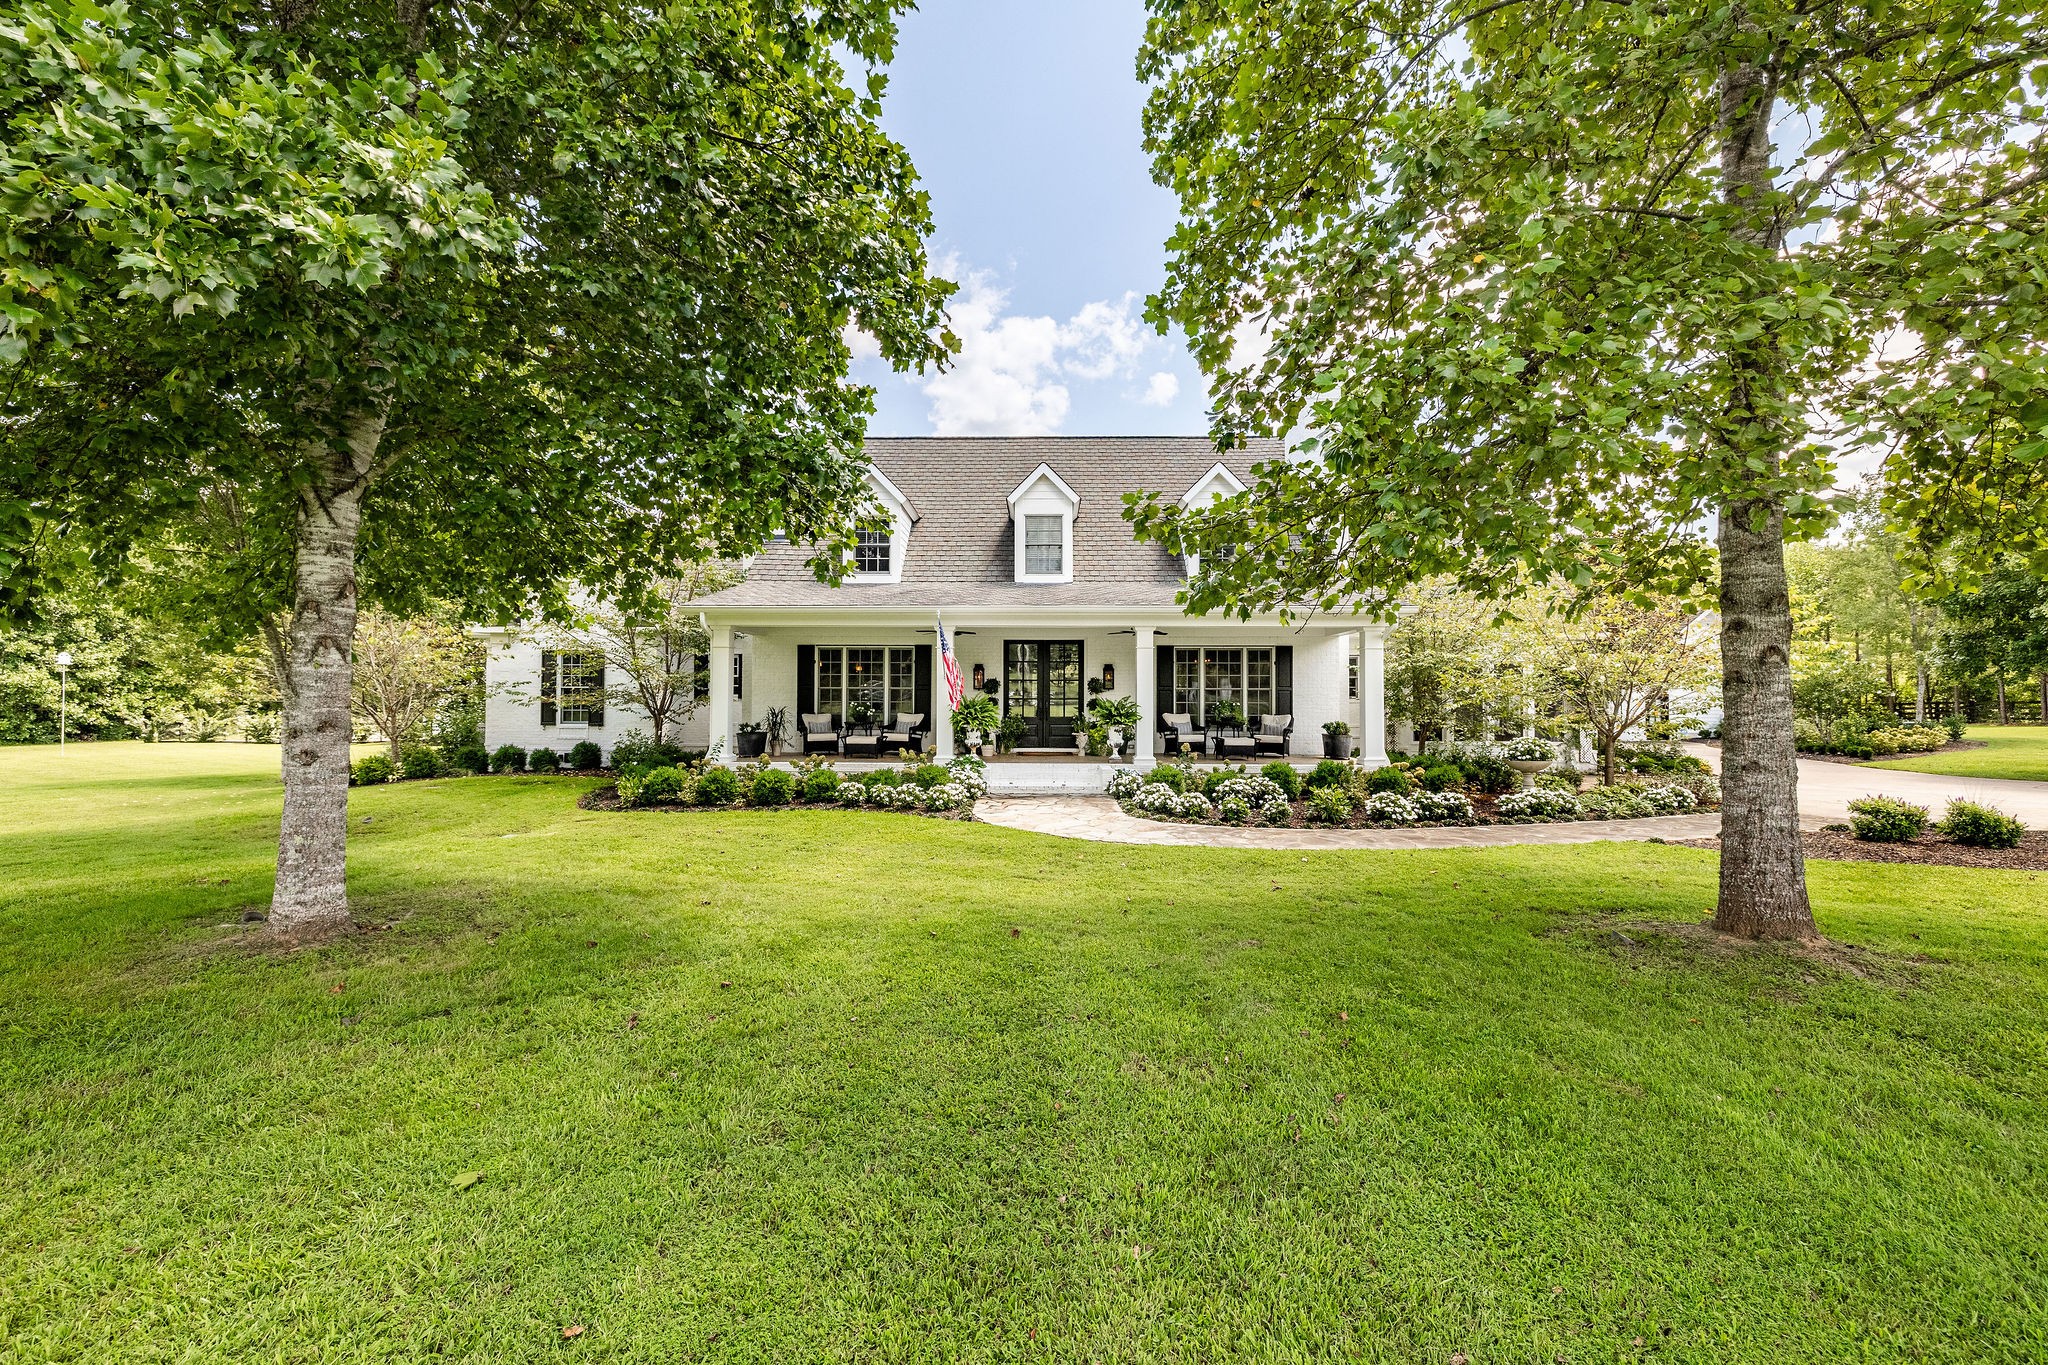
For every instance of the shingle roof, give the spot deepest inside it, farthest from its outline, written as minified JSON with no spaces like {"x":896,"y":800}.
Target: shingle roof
{"x":961,"y":549}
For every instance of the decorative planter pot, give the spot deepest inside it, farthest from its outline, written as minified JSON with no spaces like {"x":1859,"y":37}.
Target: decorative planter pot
{"x":1336,"y":746}
{"x":1528,"y":768}
{"x":987,"y":751}
{"x":751,"y":744}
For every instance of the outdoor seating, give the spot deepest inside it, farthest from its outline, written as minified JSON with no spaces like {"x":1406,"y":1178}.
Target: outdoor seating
{"x":1181,"y":733}
{"x":1236,"y":743}
{"x":820,"y":731}
{"x":908,"y":732}
{"x":1272,"y":734}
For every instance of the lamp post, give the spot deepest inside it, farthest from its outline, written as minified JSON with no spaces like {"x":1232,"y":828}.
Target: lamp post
{"x":63,"y":693}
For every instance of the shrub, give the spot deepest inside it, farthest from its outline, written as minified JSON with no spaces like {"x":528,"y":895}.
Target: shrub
{"x":585,"y":755}
{"x":1559,"y":779}
{"x":772,"y":787}
{"x":1213,"y":780}
{"x":545,"y":761}
{"x":635,"y":750}
{"x":1261,"y":793}
{"x":1659,"y":758}
{"x":1955,"y":728}
{"x":822,"y":785}
{"x":1331,"y":772}
{"x":929,"y":775}
{"x":1162,"y":800}
{"x":1538,"y":803}
{"x":508,"y":758}
{"x":1614,"y":803}
{"x":416,"y":761}
{"x":1529,"y":749}
{"x":1489,"y":773}
{"x":663,"y":786}
{"x":1329,"y":804}
{"x":1442,"y":777}
{"x":1442,"y":807}
{"x":1669,"y":799}
{"x":373,"y":770}
{"x":1175,"y":778}
{"x":1882,"y":820}
{"x":1391,"y":780}
{"x":945,"y":796}
{"x":881,"y":777}
{"x":1981,"y":826}
{"x":632,"y":789}
{"x":717,"y":787}
{"x":470,"y":758}
{"x":1124,"y":783}
{"x":1390,"y":808}
{"x":1232,"y":810}
{"x":1283,"y":776}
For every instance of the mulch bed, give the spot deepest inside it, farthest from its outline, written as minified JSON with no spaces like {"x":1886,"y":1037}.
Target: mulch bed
{"x":1849,"y":762}
{"x":1928,"y":849}
{"x":1483,"y":813}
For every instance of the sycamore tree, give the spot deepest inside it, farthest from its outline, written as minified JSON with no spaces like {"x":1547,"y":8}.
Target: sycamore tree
{"x":1567,"y":293}
{"x":438,"y":299}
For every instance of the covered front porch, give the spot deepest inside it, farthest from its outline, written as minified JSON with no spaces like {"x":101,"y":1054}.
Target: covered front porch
{"x":872,"y":671}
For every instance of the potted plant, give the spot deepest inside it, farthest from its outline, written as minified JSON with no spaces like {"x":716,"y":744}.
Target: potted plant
{"x":1336,"y":739}
{"x":976,"y":722}
{"x":753,"y":740}
{"x":861,"y":715}
{"x":1011,"y":735}
{"x":778,"y":728}
{"x":1117,"y":715}
{"x":1529,"y":756}
{"x":1226,"y":713}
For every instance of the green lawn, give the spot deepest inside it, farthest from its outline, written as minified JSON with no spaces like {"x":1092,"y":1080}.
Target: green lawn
{"x":859,"y":1086}
{"x":2009,"y":751}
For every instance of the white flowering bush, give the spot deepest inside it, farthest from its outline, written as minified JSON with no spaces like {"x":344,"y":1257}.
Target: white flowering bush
{"x":1669,"y":800}
{"x":1262,"y":794}
{"x":1157,"y":798}
{"x":852,"y":794}
{"x":1390,"y":808}
{"x":1124,"y":783}
{"x":1441,"y":805}
{"x":945,"y":796}
{"x":970,"y":772}
{"x":1538,"y":803}
{"x":1233,"y":810}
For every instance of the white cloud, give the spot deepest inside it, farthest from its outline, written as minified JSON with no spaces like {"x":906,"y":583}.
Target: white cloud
{"x":1008,"y":378}
{"x":1161,"y":390}
{"x":863,"y":346}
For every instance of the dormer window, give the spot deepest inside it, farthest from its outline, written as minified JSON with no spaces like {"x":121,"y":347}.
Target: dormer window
{"x":1219,"y":482}
{"x":874,"y":552}
{"x":879,"y":548}
{"x":1042,"y":510}
{"x":1045,"y":545}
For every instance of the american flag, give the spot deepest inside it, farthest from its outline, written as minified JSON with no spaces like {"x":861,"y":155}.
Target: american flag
{"x":956,"y":691}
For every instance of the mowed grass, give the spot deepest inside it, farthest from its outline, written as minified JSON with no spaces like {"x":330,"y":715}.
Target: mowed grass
{"x":2018,"y":751}
{"x":861,"y":1086}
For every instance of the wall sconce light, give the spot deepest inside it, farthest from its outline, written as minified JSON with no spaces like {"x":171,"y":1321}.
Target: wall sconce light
{"x":980,"y":676}
{"x":1108,"y":676}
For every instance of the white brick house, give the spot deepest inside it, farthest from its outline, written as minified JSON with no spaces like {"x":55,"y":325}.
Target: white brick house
{"x":1021,"y":545}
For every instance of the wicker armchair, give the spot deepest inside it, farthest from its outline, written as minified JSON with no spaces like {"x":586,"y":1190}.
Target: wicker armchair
{"x":818,"y":730}
{"x":1272,"y":734}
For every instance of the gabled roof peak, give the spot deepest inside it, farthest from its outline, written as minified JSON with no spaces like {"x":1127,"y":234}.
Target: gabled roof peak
{"x":1047,"y":473}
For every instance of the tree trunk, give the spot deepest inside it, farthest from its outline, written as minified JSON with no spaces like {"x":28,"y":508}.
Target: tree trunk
{"x":311,"y":894}
{"x":1920,"y":692}
{"x":1763,"y":865}
{"x":2004,"y":709}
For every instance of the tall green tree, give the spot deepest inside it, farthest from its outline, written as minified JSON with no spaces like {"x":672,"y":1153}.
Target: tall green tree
{"x":450,"y":299}
{"x":1554,"y":285}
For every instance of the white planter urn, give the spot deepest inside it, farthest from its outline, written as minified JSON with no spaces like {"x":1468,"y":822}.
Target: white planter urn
{"x":1528,"y":768}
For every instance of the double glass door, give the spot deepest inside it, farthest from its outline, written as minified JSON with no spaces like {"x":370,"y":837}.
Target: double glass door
{"x":1042,"y":687}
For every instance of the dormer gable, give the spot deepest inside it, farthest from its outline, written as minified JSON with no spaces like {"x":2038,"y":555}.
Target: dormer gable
{"x":1042,"y":511}
{"x":1219,"y":482}
{"x":879,"y":550}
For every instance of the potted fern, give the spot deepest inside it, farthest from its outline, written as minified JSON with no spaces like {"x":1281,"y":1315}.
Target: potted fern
{"x":1119,"y":716}
{"x":1336,"y":739}
{"x":976,"y":722}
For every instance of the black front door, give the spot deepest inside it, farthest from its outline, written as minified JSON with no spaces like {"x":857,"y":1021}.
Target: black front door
{"x":1042,"y":686}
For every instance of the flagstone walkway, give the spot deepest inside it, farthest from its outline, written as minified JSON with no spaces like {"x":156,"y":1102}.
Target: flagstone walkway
{"x":1100,"y":819}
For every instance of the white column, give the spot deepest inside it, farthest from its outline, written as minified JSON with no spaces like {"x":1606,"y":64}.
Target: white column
{"x":1372,"y":695}
{"x":1145,"y":683}
{"x":942,"y":703}
{"x":720,"y":669}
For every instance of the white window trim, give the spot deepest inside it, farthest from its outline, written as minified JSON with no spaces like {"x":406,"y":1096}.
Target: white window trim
{"x":901,"y":516}
{"x":1219,"y":482}
{"x":1044,"y":494}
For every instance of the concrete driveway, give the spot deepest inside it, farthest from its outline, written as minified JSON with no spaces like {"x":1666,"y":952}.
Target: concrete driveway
{"x":1826,"y":789}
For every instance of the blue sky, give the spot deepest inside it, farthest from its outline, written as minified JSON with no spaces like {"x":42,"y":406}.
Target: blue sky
{"x":1023,"y":120}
